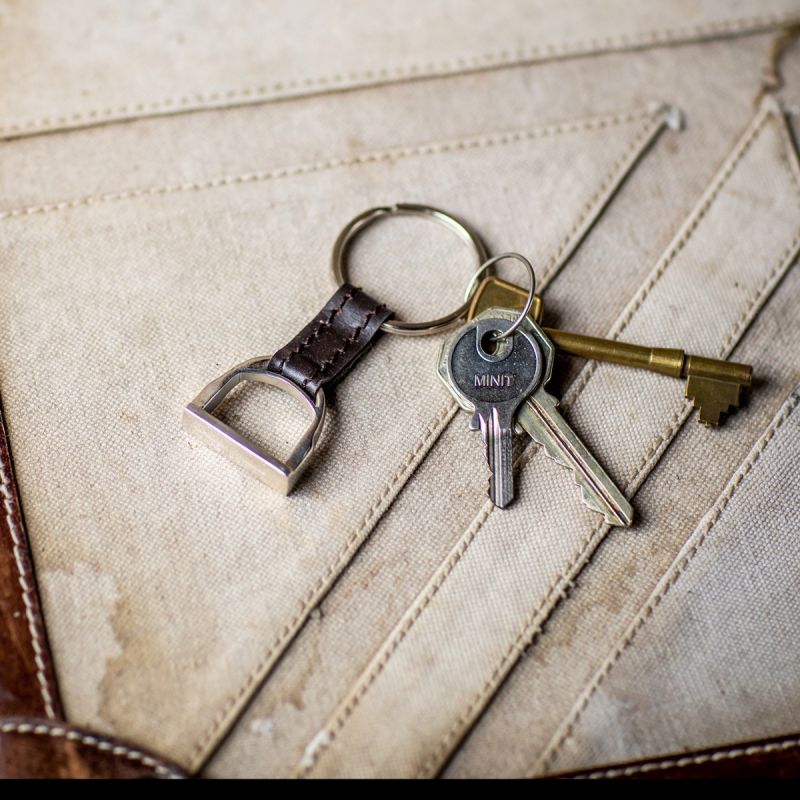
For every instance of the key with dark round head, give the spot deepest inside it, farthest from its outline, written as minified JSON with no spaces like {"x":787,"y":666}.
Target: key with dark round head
{"x":492,"y":378}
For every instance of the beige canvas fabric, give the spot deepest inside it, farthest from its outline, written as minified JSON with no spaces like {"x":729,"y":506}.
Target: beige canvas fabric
{"x":115,"y":62}
{"x":536,"y":706}
{"x":300,"y":543}
{"x":392,"y":568}
{"x":745,"y":551}
{"x":144,"y":258}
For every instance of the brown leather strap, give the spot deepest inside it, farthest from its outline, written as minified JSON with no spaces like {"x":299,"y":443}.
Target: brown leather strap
{"x":27,"y":680}
{"x":329,"y":345}
{"x":765,"y":758}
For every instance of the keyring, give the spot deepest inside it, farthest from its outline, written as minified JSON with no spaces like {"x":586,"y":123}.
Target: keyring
{"x":458,"y":226}
{"x":487,"y":268}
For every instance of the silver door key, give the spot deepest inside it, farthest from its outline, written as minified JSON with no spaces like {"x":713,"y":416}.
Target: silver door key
{"x":492,"y":379}
{"x":539,"y":417}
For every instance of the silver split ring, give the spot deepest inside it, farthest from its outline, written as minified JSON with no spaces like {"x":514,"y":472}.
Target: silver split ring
{"x":458,"y":226}
{"x":487,"y":268}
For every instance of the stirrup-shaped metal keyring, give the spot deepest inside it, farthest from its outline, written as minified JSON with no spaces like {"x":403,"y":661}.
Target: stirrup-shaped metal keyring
{"x":199,"y":420}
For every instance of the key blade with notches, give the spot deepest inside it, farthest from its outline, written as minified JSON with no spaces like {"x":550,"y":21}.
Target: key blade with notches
{"x":539,"y":417}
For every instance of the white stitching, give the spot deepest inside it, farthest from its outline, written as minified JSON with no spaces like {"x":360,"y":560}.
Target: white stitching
{"x":457,"y":65}
{"x":620,"y":168}
{"x":27,"y":591}
{"x":433,"y":432}
{"x":441,"y":420}
{"x":685,"y":761}
{"x":492,"y":140}
{"x":228,"y":711}
{"x":59,"y":732}
{"x":768,"y":110}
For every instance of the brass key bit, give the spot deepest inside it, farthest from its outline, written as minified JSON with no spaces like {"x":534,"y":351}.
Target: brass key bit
{"x":713,"y":386}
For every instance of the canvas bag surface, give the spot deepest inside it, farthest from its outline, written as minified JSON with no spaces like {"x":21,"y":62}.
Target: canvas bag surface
{"x":383,"y":620}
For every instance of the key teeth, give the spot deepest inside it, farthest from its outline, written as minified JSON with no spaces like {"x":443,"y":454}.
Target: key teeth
{"x":712,"y":399}
{"x":586,"y":496}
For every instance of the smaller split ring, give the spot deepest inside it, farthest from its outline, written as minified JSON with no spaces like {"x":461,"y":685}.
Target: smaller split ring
{"x":483,"y":270}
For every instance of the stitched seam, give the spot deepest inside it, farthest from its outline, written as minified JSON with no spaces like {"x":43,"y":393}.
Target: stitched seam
{"x":515,"y":649}
{"x":677,"y":569}
{"x":657,"y":445}
{"x":557,"y":590}
{"x":316,"y":332}
{"x":556,"y":262}
{"x":352,"y":542}
{"x":582,"y":552}
{"x":550,"y":753}
{"x":430,"y":149}
{"x":98,"y":743}
{"x":588,"y":371}
{"x":323,"y":366}
{"x":26,"y":590}
{"x":439,"y":422}
{"x":409,"y":72}
{"x":685,"y":761}
{"x":311,"y":758}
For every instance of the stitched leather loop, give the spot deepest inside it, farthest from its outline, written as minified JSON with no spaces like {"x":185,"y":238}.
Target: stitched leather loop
{"x":328,"y":346}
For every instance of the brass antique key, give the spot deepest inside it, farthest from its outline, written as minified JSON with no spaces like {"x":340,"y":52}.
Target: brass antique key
{"x":713,"y":386}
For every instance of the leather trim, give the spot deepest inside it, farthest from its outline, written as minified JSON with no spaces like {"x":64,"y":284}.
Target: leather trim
{"x":31,"y":748}
{"x":766,"y":758}
{"x":34,"y":742}
{"x":27,"y":678}
{"x":330,"y":344}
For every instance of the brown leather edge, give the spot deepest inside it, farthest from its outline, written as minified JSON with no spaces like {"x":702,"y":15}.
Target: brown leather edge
{"x":39,"y":748}
{"x":27,"y":678}
{"x":766,"y":758}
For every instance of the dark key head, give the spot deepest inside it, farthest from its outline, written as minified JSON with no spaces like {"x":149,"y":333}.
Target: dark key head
{"x":489,"y":372}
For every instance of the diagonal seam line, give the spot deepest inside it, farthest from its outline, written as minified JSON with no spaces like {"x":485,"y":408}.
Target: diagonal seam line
{"x":551,"y":750}
{"x":564,"y":250}
{"x":686,"y":761}
{"x":459,"y":65}
{"x":96,"y":742}
{"x":670,"y":577}
{"x":660,"y":442}
{"x":388,"y":155}
{"x":230,"y":710}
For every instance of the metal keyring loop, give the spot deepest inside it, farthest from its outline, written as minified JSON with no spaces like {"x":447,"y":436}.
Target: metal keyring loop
{"x":467,"y":234}
{"x":484,"y":270}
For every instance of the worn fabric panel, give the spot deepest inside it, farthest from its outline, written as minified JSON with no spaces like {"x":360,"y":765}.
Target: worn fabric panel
{"x":448,"y":489}
{"x":410,"y":680}
{"x":528,"y":711}
{"x":137,"y":531}
{"x":707,"y":80}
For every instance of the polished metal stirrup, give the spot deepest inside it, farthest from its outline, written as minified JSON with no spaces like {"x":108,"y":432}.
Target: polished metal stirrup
{"x":199,"y":420}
